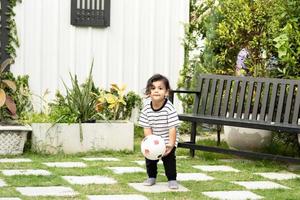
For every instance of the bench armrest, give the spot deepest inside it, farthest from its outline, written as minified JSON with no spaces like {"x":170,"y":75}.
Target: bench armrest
{"x":172,"y":92}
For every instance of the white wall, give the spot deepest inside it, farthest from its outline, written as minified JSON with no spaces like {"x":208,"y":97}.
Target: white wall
{"x":144,"y":37}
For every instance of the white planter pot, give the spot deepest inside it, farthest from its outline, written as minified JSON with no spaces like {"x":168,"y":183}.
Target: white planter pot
{"x":12,"y":139}
{"x":65,"y":138}
{"x":247,"y":138}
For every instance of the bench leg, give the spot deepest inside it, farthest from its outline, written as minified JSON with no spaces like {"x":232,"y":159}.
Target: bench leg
{"x":219,"y":128}
{"x":193,"y":138}
{"x":298,"y":144}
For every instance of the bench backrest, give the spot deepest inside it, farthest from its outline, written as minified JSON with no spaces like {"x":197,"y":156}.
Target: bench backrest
{"x":265,"y":100}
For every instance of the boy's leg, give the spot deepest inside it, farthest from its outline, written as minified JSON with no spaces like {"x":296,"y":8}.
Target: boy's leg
{"x":151,"y":166}
{"x":170,"y":165}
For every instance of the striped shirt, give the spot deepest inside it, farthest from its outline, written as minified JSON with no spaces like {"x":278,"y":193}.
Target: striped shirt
{"x":160,"y":120}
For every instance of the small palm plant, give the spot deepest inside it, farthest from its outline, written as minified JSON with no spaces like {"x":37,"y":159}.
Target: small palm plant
{"x":78,"y":105}
{"x":6,"y":86}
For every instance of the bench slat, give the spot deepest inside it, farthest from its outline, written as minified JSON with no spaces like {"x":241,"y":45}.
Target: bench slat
{"x":264,"y":101}
{"x":280,"y":102}
{"x":256,"y":101}
{"x":197,"y":96}
{"x":241,"y":99}
{"x":212,"y":97}
{"x":249,"y":100}
{"x":272,"y":102}
{"x":226,"y":98}
{"x":289,"y":104}
{"x":217,"y":109}
{"x":204,"y":97}
{"x":233,"y":98}
{"x":297,"y":105}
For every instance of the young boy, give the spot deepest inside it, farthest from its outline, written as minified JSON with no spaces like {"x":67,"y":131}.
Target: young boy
{"x":159,"y":117}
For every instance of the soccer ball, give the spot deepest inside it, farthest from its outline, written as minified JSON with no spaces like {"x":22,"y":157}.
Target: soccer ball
{"x":153,"y":147}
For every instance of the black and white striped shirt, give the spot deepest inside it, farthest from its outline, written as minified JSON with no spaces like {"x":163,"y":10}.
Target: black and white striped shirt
{"x":160,"y":120}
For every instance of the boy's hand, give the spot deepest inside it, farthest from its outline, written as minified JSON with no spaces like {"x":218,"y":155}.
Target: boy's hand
{"x":169,"y":148}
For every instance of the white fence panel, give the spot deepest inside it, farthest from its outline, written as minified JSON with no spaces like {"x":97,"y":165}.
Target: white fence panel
{"x":144,"y":37}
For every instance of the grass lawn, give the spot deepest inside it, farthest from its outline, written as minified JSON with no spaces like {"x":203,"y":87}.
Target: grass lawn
{"x":222,"y":181}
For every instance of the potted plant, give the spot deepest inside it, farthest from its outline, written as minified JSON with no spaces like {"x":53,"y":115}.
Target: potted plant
{"x":14,"y":101}
{"x":85,"y":119}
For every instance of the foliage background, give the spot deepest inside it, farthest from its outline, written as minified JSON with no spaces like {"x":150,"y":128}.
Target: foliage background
{"x":218,"y":30}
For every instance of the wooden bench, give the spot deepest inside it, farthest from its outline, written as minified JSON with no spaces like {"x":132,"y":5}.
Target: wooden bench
{"x":261,"y":103}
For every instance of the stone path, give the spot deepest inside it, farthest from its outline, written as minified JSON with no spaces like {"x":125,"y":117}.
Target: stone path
{"x":2,"y":183}
{"x":252,"y":185}
{"x":233,"y":195}
{"x":12,"y":160}
{"x":193,"y":177}
{"x":86,"y":180}
{"x":47,"y":191}
{"x":279,"y":176}
{"x":101,"y":159}
{"x":215,"y":168}
{"x":117,"y":197}
{"x":268,"y":183}
{"x":122,"y":170}
{"x":37,"y":172}
{"x":65,"y":164}
{"x":158,"y":187}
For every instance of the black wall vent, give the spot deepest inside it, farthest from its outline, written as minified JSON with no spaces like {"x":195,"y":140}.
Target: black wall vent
{"x":95,"y":13}
{"x":3,"y":30}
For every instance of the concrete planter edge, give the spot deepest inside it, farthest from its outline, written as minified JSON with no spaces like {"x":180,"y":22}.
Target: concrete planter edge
{"x":60,"y":137}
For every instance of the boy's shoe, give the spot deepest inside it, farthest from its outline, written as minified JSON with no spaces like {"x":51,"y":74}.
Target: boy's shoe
{"x":149,"y":182}
{"x":173,"y":185}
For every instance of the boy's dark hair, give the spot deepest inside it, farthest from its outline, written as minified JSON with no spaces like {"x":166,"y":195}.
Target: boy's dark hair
{"x":154,"y":78}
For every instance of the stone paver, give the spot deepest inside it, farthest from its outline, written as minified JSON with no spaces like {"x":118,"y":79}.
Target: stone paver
{"x":9,"y":198}
{"x":294,"y":167}
{"x":216,"y":168}
{"x":232,"y":195}
{"x":101,"y":159}
{"x":47,"y":191}
{"x":14,"y":160}
{"x":232,"y":160}
{"x":27,"y":172}
{"x":117,"y":197}
{"x":278,"y":175}
{"x":193,"y":177}
{"x":2,"y":183}
{"x":253,"y":185}
{"x":65,"y":164}
{"x":86,"y":180}
{"x":158,"y":187}
{"x":122,"y":170}
{"x":142,"y":162}
{"x":182,"y":157}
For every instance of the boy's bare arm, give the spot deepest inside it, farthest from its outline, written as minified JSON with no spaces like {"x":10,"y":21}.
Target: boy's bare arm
{"x":172,"y":140}
{"x":147,"y":131}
